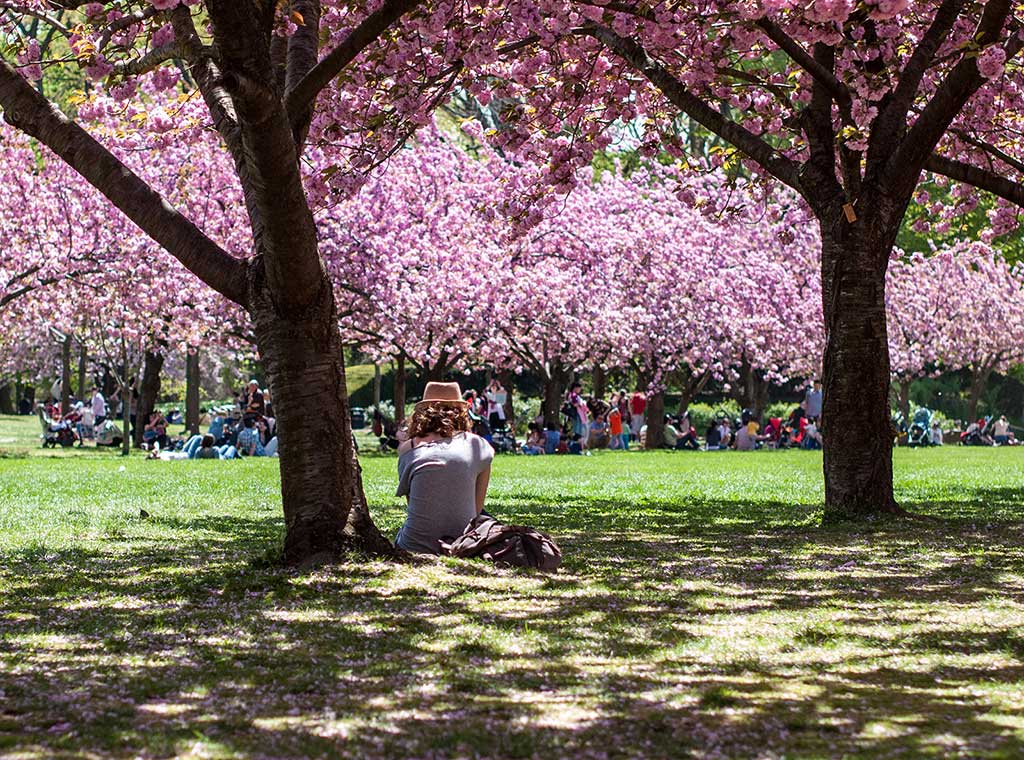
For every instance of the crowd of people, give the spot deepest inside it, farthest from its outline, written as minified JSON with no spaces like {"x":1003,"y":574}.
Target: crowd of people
{"x":246,"y":428}
{"x":584,"y":423}
{"x":587,"y":423}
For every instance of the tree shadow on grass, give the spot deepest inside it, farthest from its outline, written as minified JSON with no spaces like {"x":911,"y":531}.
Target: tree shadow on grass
{"x":683,"y":637}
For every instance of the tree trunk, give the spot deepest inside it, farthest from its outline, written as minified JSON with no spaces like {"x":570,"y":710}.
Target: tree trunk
{"x":690,"y":386}
{"x":600,"y":382}
{"x":753,"y":389}
{"x":505,"y":378}
{"x":192,"y":392}
{"x":124,"y":386}
{"x":6,"y":402}
{"x":376,"y":385}
{"x":903,"y":398}
{"x":325,"y":511}
{"x":400,"y":378}
{"x":655,"y":422}
{"x":554,"y":390}
{"x":759,"y":395}
{"x":82,"y":390}
{"x":149,"y":389}
{"x":856,"y":423}
{"x":65,"y":376}
{"x":979,"y":382}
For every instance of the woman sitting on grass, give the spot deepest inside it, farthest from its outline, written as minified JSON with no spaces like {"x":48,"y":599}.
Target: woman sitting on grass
{"x":443,"y":470}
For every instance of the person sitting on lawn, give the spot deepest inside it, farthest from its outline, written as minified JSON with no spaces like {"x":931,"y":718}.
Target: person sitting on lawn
{"x":443,"y":470}
{"x":534,"y":441}
{"x":249,"y":443}
{"x":155,"y":431}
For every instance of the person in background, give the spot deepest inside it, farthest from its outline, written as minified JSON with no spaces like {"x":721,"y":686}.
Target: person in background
{"x":205,"y":447}
{"x":713,"y":437}
{"x":725,"y":434}
{"x":687,"y":434}
{"x":637,"y":408}
{"x":99,"y":406}
{"x":1001,"y":431}
{"x":598,"y":438}
{"x":812,"y":436}
{"x":581,"y":419}
{"x":615,"y":428}
{"x":254,"y":403}
{"x":552,"y":439}
{"x":745,"y":441}
{"x":813,"y":401}
{"x":496,"y":397}
{"x":936,"y":434}
{"x":155,"y":431}
{"x":249,"y":443}
{"x":534,"y":444}
{"x":575,"y":444}
{"x":671,"y":435}
{"x":216,"y":428}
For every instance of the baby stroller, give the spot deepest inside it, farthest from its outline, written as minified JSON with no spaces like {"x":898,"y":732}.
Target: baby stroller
{"x":503,"y":440}
{"x":55,"y":433}
{"x":108,"y":434}
{"x":919,"y":433}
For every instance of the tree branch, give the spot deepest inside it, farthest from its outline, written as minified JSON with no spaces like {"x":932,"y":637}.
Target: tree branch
{"x":950,"y":97}
{"x":30,"y":112}
{"x":300,"y":98}
{"x":977,"y":177}
{"x":839,"y":92}
{"x":782,"y":168}
{"x":894,"y":115}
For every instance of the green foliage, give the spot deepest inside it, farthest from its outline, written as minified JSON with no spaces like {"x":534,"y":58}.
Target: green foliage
{"x":702,"y":413}
{"x":967,"y":227}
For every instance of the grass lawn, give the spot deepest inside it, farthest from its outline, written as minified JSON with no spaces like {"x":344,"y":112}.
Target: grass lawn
{"x":700,"y":612}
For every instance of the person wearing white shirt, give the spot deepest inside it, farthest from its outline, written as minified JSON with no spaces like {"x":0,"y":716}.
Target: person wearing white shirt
{"x":99,"y":406}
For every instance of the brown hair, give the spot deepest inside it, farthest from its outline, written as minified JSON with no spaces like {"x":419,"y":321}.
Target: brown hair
{"x":446,"y":420}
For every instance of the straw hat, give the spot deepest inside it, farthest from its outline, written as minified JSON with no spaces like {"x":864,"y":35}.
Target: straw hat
{"x":445,"y":393}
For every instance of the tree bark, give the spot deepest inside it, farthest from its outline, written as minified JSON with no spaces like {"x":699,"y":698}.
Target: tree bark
{"x":6,"y":403}
{"x":600,"y":382}
{"x":82,"y":357}
{"x":856,"y":423}
{"x":326,"y":514}
{"x":554,"y":389}
{"x":376,"y":385}
{"x":655,"y":422}
{"x":903,"y":398}
{"x":400,"y":379}
{"x":505,"y":378}
{"x":979,"y":382}
{"x":149,"y":389}
{"x":192,"y":392}
{"x":65,"y":376}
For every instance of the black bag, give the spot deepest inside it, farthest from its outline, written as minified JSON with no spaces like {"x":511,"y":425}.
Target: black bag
{"x":568,"y":410}
{"x":512,"y":545}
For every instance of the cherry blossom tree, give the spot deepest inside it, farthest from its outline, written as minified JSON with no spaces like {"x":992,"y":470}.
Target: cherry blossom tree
{"x":980,"y":314}
{"x":849,"y":104}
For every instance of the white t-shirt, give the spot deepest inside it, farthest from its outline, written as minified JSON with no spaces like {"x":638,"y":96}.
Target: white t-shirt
{"x":99,"y":405}
{"x":496,"y":403}
{"x":1000,"y":427}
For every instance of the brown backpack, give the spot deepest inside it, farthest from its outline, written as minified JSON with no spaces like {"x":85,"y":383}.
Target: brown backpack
{"x":513,"y":545}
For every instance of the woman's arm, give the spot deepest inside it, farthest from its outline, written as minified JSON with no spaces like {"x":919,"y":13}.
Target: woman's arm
{"x":482,"y":480}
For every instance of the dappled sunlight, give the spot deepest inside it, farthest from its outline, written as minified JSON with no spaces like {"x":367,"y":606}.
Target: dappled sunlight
{"x":690,"y":634}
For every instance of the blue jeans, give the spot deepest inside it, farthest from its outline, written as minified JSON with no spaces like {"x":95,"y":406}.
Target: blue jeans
{"x":223,"y":452}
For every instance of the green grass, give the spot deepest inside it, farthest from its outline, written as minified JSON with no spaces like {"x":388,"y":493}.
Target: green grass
{"x":700,"y":612}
